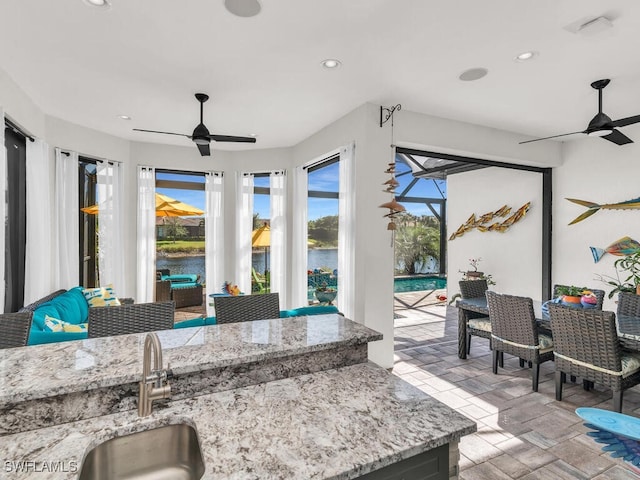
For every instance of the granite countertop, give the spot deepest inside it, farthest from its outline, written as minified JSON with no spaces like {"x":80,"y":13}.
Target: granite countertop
{"x":336,"y":424}
{"x":43,"y":371}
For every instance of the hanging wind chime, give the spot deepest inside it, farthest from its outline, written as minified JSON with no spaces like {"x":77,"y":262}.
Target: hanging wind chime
{"x":394,"y":207}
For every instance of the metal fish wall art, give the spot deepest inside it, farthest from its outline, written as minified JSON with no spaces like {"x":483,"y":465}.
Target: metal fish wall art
{"x":480,"y":223}
{"x":633,"y":204}
{"x":621,"y":247}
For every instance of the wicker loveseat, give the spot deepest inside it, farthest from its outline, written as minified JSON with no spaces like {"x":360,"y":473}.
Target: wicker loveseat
{"x":70,"y":306}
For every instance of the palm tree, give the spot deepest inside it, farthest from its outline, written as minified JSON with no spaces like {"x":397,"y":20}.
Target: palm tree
{"x":415,"y":244}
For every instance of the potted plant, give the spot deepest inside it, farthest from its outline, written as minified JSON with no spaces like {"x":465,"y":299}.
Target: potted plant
{"x":571,"y":295}
{"x":326,"y":294}
{"x":471,"y":274}
{"x":631,"y":265}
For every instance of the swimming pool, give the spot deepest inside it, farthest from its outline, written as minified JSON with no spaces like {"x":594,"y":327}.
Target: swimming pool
{"x":415,"y":284}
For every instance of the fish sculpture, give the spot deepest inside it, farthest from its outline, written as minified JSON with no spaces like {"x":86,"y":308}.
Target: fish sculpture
{"x":633,"y":204}
{"x":480,"y":223}
{"x":621,"y":247}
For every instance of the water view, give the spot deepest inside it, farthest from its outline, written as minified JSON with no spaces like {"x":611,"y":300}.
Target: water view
{"x":317,"y":258}
{"x":195,"y":264}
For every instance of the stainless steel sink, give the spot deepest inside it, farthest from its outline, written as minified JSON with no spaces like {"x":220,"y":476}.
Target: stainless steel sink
{"x":168,"y":452}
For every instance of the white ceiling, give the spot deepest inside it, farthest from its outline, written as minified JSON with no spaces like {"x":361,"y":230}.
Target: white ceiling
{"x":146,"y":58}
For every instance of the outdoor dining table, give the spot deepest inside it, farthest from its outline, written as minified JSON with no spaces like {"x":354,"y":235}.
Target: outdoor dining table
{"x":628,"y":326}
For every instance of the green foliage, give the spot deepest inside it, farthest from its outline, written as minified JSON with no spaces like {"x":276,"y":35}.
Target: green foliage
{"x":173,"y":228}
{"x":324,"y":231}
{"x":257,"y":221}
{"x":415,"y":244}
{"x":571,"y":290}
{"x":629,"y":264}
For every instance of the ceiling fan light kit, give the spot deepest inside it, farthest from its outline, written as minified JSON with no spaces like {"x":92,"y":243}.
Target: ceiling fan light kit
{"x":601,"y":125}
{"x":201,"y":136}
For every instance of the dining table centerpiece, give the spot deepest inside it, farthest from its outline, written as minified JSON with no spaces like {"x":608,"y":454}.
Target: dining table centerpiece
{"x":571,"y":295}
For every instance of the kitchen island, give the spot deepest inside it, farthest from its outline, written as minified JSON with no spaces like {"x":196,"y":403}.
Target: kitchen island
{"x":340,"y":423}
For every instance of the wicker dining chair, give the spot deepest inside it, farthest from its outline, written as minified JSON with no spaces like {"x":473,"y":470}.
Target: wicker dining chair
{"x":477,"y":324}
{"x":245,"y":308}
{"x":586,"y":345}
{"x":514,"y":330}
{"x":135,"y":318}
{"x":628,"y":304}
{"x":15,"y":329}
{"x":598,"y":293}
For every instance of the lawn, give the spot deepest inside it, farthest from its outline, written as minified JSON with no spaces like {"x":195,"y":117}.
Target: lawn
{"x":180,"y":246}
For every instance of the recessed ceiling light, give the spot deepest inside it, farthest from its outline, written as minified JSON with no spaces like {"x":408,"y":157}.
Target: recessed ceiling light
{"x":254,"y":135}
{"x":243,"y":8}
{"x":124,"y":117}
{"x":524,"y":56}
{"x":473,"y":74}
{"x":331,"y":63}
{"x":98,"y":3}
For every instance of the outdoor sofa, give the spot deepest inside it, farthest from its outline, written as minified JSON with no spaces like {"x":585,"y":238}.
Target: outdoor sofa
{"x":71,"y":307}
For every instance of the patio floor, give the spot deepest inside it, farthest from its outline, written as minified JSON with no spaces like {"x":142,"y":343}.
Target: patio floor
{"x":521,"y":434}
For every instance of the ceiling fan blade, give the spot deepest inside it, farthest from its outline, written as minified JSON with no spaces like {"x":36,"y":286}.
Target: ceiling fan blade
{"x":166,"y":133}
{"x":623,"y":122}
{"x":205,"y":151}
{"x":547,"y":138}
{"x":618,"y":138}
{"x":231,"y":138}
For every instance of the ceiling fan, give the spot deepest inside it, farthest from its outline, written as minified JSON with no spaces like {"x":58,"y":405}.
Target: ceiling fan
{"x":201,"y":136}
{"x":601,"y":125}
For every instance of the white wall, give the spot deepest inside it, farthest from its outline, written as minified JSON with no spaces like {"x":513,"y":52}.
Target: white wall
{"x":600,"y":172}
{"x":19,"y":107}
{"x":424,"y":132}
{"x":513,"y":258}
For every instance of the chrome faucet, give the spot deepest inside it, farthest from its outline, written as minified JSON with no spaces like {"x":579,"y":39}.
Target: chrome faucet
{"x":154,"y":384}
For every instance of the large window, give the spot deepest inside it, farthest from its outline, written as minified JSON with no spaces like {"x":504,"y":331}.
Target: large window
{"x":87,"y":183}
{"x":15,"y":221}
{"x":180,"y":231}
{"x":322,"y":256}
{"x":260,"y":235}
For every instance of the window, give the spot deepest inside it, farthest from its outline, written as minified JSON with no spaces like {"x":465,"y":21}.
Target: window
{"x":260,"y":237}
{"x":15,"y":221}
{"x":322,"y":256}
{"x":88,"y":255}
{"x":180,"y":235}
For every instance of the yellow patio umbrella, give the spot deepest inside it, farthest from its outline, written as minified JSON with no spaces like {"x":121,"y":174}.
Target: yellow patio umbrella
{"x":165,"y":207}
{"x":261,"y":237}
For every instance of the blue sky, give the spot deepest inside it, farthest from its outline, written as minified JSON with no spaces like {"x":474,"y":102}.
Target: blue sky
{"x":324,"y":179}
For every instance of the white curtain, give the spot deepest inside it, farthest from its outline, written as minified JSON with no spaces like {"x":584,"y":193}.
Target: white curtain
{"x":38,"y":272}
{"x":3,"y":207}
{"x":278,"y":197}
{"x":214,"y":234}
{"x":299,"y":248}
{"x":110,"y":221}
{"x":244,"y":226}
{"x":146,"y":280}
{"x":346,"y":232}
{"x":67,"y":216}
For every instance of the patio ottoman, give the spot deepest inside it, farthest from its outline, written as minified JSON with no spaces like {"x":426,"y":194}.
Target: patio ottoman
{"x":186,"y":294}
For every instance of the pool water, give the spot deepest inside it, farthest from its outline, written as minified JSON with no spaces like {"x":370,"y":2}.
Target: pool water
{"x":415,"y":284}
